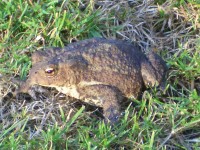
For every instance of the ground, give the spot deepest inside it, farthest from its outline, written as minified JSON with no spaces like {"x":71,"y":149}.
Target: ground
{"x":158,"y":121}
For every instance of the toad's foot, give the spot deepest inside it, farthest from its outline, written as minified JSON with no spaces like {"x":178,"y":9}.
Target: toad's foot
{"x":32,"y":91}
{"x":104,"y":96}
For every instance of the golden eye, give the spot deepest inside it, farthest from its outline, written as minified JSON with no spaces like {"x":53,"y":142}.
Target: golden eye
{"x":50,"y":71}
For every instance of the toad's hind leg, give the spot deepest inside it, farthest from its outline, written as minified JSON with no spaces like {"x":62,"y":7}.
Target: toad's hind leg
{"x":107,"y":97}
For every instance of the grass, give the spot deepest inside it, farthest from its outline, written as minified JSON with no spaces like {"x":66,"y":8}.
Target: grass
{"x":166,"y":121}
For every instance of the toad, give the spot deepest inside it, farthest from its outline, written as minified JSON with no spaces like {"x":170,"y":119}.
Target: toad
{"x":98,"y":71}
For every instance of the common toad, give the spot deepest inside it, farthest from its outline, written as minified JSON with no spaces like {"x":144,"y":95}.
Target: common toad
{"x":98,"y":71}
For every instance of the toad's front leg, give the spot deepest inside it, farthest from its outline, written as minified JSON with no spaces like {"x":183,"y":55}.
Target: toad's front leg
{"x":25,"y":87}
{"x":104,"y":96}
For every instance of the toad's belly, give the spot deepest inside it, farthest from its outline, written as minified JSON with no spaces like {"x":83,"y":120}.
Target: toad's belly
{"x":72,"y":91}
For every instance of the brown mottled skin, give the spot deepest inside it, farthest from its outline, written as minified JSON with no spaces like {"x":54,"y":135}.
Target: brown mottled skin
{"x":98,"y":71}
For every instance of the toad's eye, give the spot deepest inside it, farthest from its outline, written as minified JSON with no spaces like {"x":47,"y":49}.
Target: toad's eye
{"x":50,"y":71}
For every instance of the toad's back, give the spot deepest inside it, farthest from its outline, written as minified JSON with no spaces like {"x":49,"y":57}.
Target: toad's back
{"x":109,"y":62}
